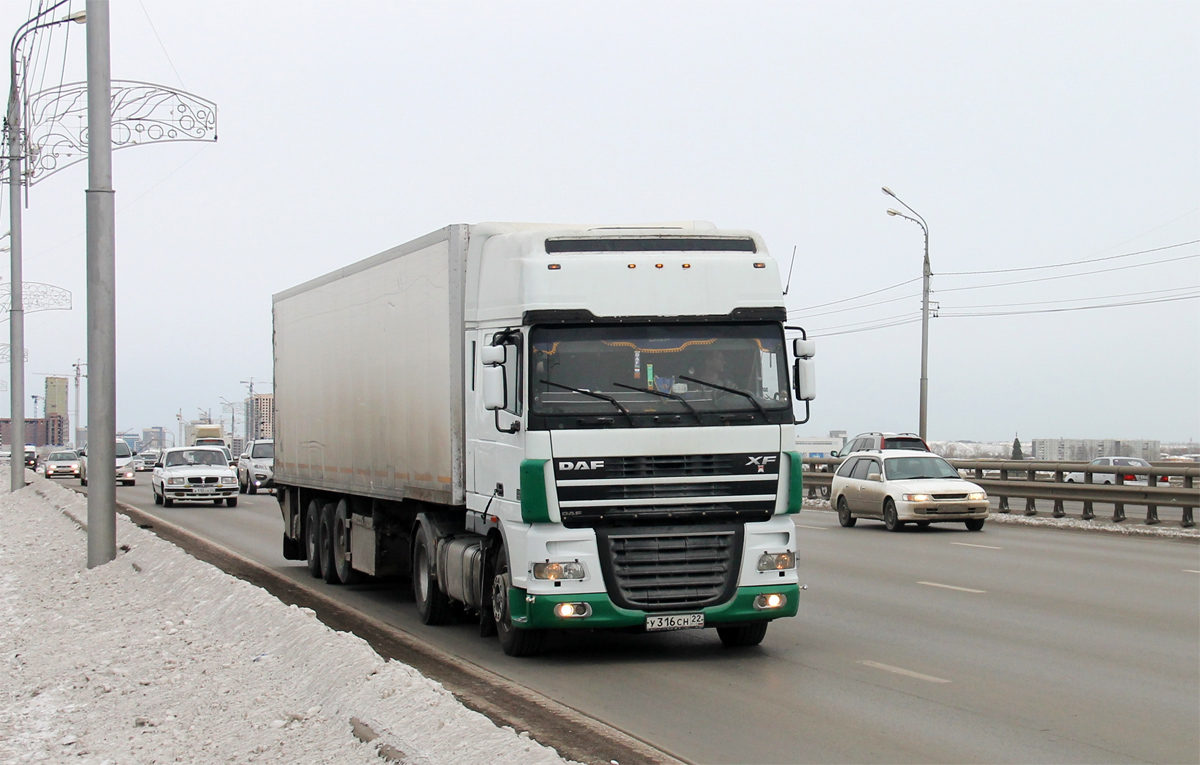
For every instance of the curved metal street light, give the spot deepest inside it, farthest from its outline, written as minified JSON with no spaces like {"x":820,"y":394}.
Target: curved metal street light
{"x":924,"y":411}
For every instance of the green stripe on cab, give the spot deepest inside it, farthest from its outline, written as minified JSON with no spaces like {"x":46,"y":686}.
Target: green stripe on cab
{"x":534,"y":506}
{"x":795,"y":482}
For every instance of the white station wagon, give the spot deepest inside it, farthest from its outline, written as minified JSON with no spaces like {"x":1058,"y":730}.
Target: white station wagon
{"x":194,"y":474}
{"x":899,"y":486}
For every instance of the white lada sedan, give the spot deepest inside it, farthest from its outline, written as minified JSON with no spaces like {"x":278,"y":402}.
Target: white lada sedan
{"x":898,"y":486}
{"x":194,"y":474}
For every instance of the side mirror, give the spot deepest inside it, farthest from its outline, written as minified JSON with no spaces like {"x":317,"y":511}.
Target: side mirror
{"x":495,"y":391}
{"x":833,"y":453}
{"x":804,"y":378}
{"x":804,"y":349}
{"x":874,"y":477}
{"x":492,"y":355}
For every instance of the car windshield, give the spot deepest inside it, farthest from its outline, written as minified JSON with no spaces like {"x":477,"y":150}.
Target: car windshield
{"x":60,"y":456}
{"x":122,"y":450}
{"x":903,"y":468}
{"x":196,"y":457}
{"x":641,"y":375}
{"x":263,"y":451}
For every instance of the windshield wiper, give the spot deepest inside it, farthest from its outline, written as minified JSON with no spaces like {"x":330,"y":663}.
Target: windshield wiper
{"x":671,"y":396}
{"x":741,"y":393}
{"x":600,"y":396}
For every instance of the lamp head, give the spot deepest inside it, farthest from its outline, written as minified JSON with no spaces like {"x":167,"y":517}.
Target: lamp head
{"x":893,"y":212}
{"x":887,"y":191}
{"x":78,"y":18}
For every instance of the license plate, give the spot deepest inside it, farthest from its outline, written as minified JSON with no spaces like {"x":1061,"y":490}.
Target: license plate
{"x":205,"y":490}
{"x":674,"y":622}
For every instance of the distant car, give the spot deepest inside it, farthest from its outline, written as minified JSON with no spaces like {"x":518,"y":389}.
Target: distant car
{"x":61,"y":465}
{"x":899,"y":486}
{"x":125,"y":468}
{"x":194,"y":474}
{"x":146,"y":460}
{"x":31,"y":458}
{"x":1110,"y":478}
{"x":876,"y":441}
{"x":256,"y":466}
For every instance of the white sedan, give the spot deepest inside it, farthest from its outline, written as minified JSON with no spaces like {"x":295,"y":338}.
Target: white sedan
{"x":899,"y":486}
{"x":194,"y":474}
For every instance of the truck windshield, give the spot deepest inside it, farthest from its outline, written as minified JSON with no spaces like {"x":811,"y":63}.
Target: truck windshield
{"x":646,"y":375}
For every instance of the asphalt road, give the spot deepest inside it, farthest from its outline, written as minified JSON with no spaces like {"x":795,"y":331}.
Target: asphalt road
{"x":1013,"y":644}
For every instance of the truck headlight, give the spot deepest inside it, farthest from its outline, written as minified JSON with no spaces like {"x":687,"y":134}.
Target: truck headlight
{"x":777,"y":561}
{"x":175,"y":481}
{"x":977,"y":495}
{"x":572,"y":610}
{"x":770,"y":602}
{"x":555,"y":571}
{"x":917,"y":497}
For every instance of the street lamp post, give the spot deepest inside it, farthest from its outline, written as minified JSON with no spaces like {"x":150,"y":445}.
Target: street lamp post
{"x":16,"y":308}
{"x":924,"y":413}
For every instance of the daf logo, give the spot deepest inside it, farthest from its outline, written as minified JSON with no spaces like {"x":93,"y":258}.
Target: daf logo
{"x":762,"y":462}
{"x":581,"y":465}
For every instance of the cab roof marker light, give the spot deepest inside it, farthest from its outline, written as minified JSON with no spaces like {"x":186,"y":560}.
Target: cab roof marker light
{"x":555,"y":266}
{"x":687,"y":265}
{"x":760,"y":265}
{"x":632,"y":265}
{"x":658,"y":265}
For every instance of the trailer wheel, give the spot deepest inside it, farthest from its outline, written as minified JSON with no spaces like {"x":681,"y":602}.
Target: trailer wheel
{"x":341,"y":544}
{"x":743,"y":635}
{"x":312,"y":538}
{"x":514,"y":641}
{"x":433,"y":605}
{"x":325,"y":540}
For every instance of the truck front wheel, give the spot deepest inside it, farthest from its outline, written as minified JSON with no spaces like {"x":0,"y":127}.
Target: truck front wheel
{"x":743,"y":635}
{"x":432,"y":604}
{"x":514,"y":641}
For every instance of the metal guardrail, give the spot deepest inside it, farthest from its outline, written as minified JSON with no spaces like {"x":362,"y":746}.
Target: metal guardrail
{"x":1033,"y":480}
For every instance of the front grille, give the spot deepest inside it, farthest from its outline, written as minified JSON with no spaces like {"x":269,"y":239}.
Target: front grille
{"x":666,"y":489}
{"x":666,"y":466}
{"x":203,"y":479}
{"x":670,"y":568}
{"x":948,"y":497}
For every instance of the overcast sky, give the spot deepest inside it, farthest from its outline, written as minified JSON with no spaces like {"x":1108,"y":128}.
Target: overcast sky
{"x":1026,"y":134}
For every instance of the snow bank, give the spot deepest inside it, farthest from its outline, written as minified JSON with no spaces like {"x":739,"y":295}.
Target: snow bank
{"x":158,"y":657}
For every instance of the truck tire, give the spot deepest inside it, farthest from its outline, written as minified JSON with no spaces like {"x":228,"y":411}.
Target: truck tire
{"x":433,"y":606}
{"x":341,"y":544}
{"x":312,"y":538}
{"x":514,"y":641}
{"x":325,"y":540}
{"x":743,"y":635}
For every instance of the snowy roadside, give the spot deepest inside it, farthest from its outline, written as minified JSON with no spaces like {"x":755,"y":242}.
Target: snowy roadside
{"x":158,"y":657}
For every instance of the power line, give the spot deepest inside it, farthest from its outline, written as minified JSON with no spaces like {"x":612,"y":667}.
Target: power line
{"x":1072,"y":263}
{"x":856,"y":297}
{"x":1070,"y":276}
{"x":1075,"y":300}
{"x":945,"y":313}
{"x":852,"y":308}
{"x":821,"y":333}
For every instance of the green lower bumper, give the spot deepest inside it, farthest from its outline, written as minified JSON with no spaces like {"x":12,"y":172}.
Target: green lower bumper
{"x":537,"y":612}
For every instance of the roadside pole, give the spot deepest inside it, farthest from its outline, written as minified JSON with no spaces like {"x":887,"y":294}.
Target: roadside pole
{"x":101,"y":295}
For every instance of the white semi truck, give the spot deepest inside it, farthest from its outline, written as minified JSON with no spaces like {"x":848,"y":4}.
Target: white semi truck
{"x":549,"y":427}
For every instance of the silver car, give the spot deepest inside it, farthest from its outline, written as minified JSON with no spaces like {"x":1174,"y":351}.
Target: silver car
{"x":256,"y":466}
{"x":899,"y":486}
{"x":64,"y":464}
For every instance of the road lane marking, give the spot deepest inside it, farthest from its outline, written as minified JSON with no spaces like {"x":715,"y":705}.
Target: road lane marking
{"x":951,"y":587}
{"x":984,"y":547}
{"x":905,"y":672}
{"x":814,"y":528}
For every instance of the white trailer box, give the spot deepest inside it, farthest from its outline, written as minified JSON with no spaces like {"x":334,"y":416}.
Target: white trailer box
{"x":368,"y":375}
